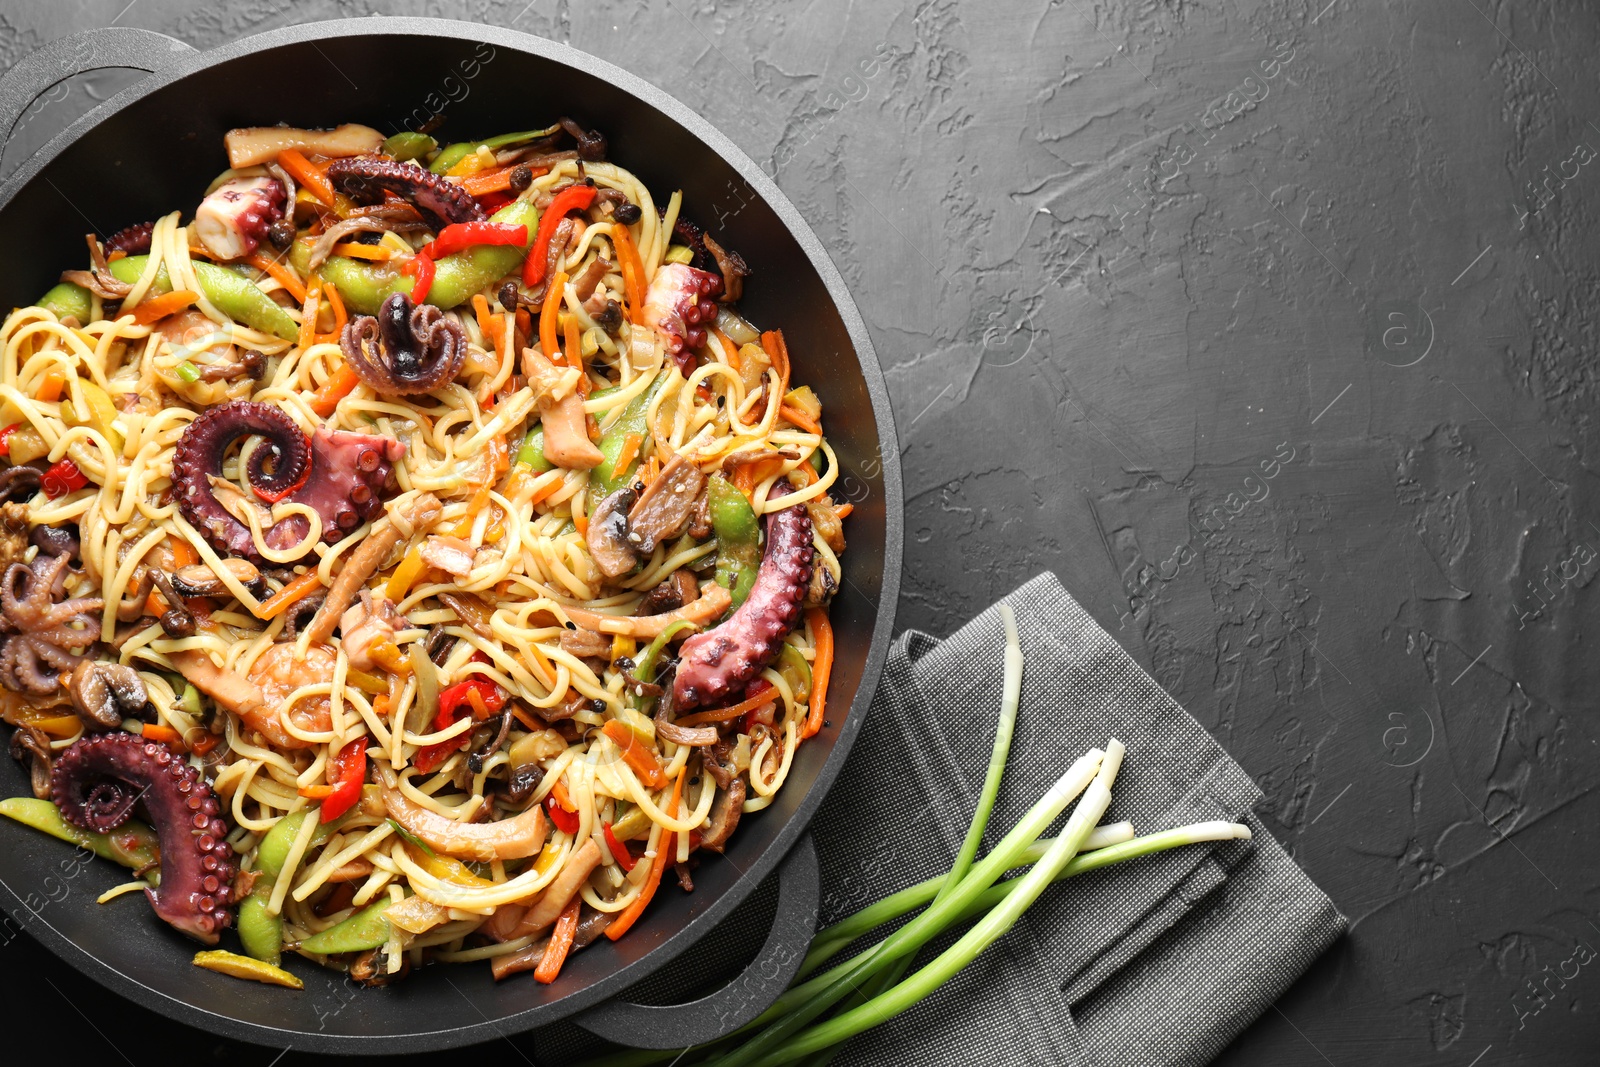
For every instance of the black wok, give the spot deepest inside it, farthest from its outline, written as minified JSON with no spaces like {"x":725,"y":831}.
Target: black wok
{"x":154,"y":147}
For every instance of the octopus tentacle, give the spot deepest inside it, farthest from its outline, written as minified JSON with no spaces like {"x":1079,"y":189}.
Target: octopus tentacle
{"x":133,"y":240}
{"x":233,"y":219}
{"x":44,"y":632}
{"x":97,"y":783}
{"x":713,"y":664}
{"x":405,"y":350}
{"x":440,"y":202}
{"x":344,"y":477}
{"x":680,"y":302}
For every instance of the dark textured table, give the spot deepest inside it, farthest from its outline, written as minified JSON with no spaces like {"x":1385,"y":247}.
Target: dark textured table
{"x":1268,"y":329}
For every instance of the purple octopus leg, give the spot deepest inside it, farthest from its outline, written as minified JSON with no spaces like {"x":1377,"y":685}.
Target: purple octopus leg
{"x":97,"y":783}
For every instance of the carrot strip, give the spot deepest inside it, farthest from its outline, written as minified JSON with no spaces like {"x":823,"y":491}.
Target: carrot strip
{"x":547,"y":317}
{"x":701,"y":718}
{"x":341,"y":318}
{"x":547,"y":490}
{"x":371,"y":253}
{"x":821,"y":668}
{"x":50,"y":388}
{"x":183,"y":554}
{"x":730,"y":349}
{"x":641,"y":759}
{"x":487,"y":181}
{"x":156,"y":732}
{"x":652,"y":468}
{"x":336,"y":388}
{"x":488,"y":323}
{"x":800,"y":419}
{"x":632,"y":272}
{"x":162,"y":306}
{"x":630,"y":448}
{"x":281,"y":274}
{"x":555,"y":952}
{"x":844,"y":510}
{"x":631,"y":913}
{"x":308,"y":314}
{"x":778,"y":352}
{"x":299,"y":589}
{"x":523,"y":717}
{"x":307,"y":174}
{"x":562,"y":797}
{"x":574,"y":350}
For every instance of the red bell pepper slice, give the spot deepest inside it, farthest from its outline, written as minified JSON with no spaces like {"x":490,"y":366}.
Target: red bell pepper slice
{"x":566,"y":821}
{"x":572,"y":198}
{"x":453,"y":699}
{"x":349,"y":772}
{"x":5,"y":438}
{"x":63,"y":478}
{"x":463,"y":235}
{"x":624,"y":858}
{"x":419,"y":267}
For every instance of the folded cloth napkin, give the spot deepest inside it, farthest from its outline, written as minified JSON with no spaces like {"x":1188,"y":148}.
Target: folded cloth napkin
{"x":1159,"y":961}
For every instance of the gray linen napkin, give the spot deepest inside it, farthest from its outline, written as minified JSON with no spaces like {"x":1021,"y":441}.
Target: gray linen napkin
{"x":1160,"y":961}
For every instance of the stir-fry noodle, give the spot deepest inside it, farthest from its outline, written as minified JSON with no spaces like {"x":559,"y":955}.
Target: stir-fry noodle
{"x":425,"y":522}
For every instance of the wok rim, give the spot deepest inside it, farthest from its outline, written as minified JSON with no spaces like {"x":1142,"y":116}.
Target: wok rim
{"x":688,"y":935}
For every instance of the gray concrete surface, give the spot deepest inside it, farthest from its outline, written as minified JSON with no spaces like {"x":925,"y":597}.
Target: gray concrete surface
{"x":1269,"y":328}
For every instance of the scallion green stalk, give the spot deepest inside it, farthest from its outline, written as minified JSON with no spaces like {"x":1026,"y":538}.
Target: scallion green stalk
{"x":1096,"y":798}
{"x":1010,"y":698}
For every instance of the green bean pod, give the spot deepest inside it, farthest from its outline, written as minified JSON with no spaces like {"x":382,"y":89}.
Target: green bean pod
{"x":260,"y":931}
{"x":229,"y":289}
{"x":738,"y":537}
{"x":366,"y":929}
{"x":68,"y":299}
{"x":606,"y":478}
{"x":408,"y":146}
{"x":133,"y":844}
{"x":451,"y":154}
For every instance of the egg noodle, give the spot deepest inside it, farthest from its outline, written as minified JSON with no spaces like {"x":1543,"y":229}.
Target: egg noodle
{"x":104,"y":401}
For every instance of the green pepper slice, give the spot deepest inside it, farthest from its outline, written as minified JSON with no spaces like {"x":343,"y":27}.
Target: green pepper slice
{"x":365,"y":929}
{"x":738,"y":537}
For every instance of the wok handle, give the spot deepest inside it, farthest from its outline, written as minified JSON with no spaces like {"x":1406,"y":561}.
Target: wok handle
{"x":79,"y":53}
{"x":724,"y":1011}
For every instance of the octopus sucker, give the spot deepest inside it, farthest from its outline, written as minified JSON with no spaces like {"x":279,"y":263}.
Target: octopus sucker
{"x":344,"y":477}
{"x":364,"y":179}
{"x":717,"y":663}
{"x":234,"y":217}
{"x":101,"y":779}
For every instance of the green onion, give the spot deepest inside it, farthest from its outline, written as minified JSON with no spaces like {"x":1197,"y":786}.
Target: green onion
{"x":1096,"y":798}
{"x":188,"y":372}
{"x":1010,"y":697}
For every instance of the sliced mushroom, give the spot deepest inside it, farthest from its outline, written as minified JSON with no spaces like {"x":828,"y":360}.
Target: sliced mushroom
{"x":607,"y":536}
{"x":252,"y":145}
{"x":725,"y":811}
{"x":472,"y":611}
{"x":53,"y":540}
{"x":679,"y":589}
{"x":137,"y":594}
{"x":371,"y":968}
{"x":176,"y":621}
{"x":522,"y":783}
{"x":586,"y":644}
{"x":30,"y":745}
{"x":481,"y":755}
{"x":664,"y":509}
{"x":421,"y":513}
{"x":200,"y":580}
{"x":106,"y":693}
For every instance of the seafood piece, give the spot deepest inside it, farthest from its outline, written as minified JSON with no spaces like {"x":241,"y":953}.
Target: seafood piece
{"x":406,"y":349}
{"x":714,"y":664}
{"x":680,"y":302}
{"x":233,"y":218}
{"x":46,"y":637}
{"x":343,"y":476}
{"x":98,"y":782}
{"x":364,"y":179}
